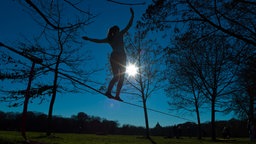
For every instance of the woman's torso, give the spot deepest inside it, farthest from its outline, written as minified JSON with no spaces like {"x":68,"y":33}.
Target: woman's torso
{"x":117,"y":43}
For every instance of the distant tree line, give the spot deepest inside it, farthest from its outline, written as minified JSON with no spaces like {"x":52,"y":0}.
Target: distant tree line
{"x":83,"y":123}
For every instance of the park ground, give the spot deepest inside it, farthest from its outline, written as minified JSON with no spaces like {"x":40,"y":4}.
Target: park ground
{"x":11,"y":137}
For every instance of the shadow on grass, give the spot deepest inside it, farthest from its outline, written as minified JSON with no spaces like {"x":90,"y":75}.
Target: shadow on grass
{"x":38,"y":138}
{"x":224,"y":141}
{"x":149,"y":138}
{"x":45,"y":136}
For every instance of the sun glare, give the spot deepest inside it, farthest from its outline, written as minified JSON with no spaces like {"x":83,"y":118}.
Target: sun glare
{"x":131,"y":70}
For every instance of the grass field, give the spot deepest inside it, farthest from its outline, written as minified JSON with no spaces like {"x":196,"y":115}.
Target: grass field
{"x":39,"y":138}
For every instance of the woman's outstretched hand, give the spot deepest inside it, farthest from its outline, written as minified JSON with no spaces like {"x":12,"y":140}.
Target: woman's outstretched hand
{"x":85,"y":38}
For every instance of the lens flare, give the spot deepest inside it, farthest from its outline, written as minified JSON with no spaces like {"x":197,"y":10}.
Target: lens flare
{"x":131,"y":70}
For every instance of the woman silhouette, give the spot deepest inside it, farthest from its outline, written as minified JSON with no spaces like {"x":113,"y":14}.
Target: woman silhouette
{"x":118,"y":56}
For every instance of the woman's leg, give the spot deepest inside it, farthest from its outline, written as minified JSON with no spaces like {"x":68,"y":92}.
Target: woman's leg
{"x":122,"y":69}
{"x":119,"y":85}
{"x":115,"y":71}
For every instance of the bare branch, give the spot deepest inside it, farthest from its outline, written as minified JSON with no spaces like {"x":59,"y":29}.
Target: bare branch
{"x":77,"y":8}
{"x":48,"y":21}
{"x":41,"y":14}
{"x":247,"y":2}
{"x":238,"y":36}
{"x":28,"y":56}
{"x":130,"y":4}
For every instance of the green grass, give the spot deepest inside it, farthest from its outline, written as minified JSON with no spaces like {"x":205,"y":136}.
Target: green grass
{"x":15,"y":138}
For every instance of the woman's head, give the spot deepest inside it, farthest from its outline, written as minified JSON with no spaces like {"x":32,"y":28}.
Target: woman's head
{"x":112,"y":31}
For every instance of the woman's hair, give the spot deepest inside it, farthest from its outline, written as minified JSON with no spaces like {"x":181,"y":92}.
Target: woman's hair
{"x":112,"y":31}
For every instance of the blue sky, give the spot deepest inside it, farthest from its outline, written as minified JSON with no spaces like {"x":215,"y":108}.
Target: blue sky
{"x":15,"y":23}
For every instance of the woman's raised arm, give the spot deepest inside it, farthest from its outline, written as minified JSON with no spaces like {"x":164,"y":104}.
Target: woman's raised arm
{"x":129,"y":23}
{"x":95,"y":40}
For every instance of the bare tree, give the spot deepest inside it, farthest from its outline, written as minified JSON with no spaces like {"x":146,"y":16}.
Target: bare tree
{"x":209,"y":62}
{"x":28,"y":92}
{"x":144,"y":53}
{"x":58,"y":48}
{"x":244,"y":101}
{"x":182,"y":87}
{"x":61,"y":34}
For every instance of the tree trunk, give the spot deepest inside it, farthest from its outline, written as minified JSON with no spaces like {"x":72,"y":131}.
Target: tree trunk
{"x":213,"y":121}
{"x":146,"y":116}
{"x":55,"y":86}
{"x":25,"y":106}
{"x":251,"y":105}
{"x":252,"y":123}
{"x":54,"y":93}
{"x":199,"y":135}
{"x":49,"y":119}
{"x":146,"y":120}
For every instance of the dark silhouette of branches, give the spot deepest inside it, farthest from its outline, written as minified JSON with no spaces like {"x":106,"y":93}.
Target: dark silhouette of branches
{"x":225,"y":30}
{"x":130,"y":4}
{"x":57,"y":26}
{"x":77,"y":8}
{"x":28,"y":56}
{"x":234,"y":18}
{"x":41,"y":14}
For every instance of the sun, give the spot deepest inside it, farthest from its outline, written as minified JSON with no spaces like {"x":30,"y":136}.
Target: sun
{"x":131,"y":70}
